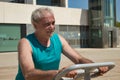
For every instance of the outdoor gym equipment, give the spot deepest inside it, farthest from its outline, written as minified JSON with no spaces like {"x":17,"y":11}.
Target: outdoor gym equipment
{"x":84,"y":71}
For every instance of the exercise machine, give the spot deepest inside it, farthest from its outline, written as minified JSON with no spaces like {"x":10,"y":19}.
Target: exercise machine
{"x":84,"y":71}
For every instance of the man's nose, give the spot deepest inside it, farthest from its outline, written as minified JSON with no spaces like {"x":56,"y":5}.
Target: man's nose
{"x":52,"y":26}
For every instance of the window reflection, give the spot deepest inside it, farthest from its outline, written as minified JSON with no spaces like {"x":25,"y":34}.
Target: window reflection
{"x":48,"y":2}
{"x":13,"y":1}
{"x":77,"y":36}
{"x":108,"y":13}
{"x":9,"y":37}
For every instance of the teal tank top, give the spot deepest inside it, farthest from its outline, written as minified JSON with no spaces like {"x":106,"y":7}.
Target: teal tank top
{"x":45,"y":58}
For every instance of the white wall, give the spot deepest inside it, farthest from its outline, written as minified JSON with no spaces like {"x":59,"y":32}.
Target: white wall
{"x":21,"y":13}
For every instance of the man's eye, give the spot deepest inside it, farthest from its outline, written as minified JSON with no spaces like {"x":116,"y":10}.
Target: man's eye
{"x":53,"y":23}
{"x":47,"y":24}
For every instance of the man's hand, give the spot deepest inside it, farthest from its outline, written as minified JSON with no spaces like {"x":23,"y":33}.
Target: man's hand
{"x":102,"y":70}
{"x":70,"y":74}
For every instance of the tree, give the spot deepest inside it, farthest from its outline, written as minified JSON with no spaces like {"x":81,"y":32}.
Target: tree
{"x":118,"y":24}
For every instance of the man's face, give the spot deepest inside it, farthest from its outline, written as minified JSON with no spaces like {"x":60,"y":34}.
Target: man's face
{"x":46,"y":25}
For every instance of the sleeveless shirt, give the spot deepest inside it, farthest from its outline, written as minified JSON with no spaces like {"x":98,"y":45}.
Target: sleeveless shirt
{"x":44,"y":58}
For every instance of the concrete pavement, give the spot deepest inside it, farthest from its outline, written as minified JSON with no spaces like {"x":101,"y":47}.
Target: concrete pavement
{"x":101,"y":55}
{"x":8,"y":62}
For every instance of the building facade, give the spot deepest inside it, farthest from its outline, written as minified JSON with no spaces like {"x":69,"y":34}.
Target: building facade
{"x":72,"y":24}
{"x":102,"y":19}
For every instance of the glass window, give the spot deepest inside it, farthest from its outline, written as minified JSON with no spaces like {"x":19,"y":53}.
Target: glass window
{"x":74,"y":33}
{"x":9,"y":36}
{"x":109,"y":23}
{"x":96,"y":36}
{"x":74,"y":28}
{"x":96,"y":8}
{"x":44,"y":2}
{"x":55,"y":2}
{"x":62,"y":28}
{"x":14,"y":1}
{"x":96,"y":11}
{"x":109,"y":8}
{"x":109,"y":13}
{"x":49,"y":2}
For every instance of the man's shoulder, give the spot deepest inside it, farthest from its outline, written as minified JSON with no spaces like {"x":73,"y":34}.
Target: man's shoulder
{"x":23,"y":40}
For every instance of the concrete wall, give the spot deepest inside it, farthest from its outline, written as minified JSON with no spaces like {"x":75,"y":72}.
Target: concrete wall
{"x":118,"y":37}
{"x":21,"y":13}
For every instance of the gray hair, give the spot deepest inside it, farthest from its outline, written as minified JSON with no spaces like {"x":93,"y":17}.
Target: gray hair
{"x":39,"y":13}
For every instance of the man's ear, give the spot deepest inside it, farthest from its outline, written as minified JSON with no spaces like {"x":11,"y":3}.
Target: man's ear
{"x":34,"y":24}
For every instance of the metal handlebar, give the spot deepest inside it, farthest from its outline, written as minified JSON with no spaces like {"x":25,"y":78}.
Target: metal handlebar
{"x":84,"y":69}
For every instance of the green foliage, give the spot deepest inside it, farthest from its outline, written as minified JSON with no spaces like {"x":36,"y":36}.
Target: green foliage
{"x":118,"y":24}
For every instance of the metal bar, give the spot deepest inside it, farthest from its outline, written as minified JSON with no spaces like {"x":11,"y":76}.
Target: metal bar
{"x":87,"y":74}
{"x":89,"y":67}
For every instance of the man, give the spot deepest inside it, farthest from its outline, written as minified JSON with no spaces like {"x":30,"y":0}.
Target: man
{"x":39,"y":53}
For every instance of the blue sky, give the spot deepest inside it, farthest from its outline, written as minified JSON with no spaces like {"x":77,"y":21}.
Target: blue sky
{"x":84,"y":5}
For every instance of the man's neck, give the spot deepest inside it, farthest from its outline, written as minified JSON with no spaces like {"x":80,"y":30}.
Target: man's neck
{"x":42,"y":40}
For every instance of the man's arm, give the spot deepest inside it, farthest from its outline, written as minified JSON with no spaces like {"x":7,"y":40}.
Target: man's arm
{"x":77,"y":58}
{"x":69,"y":52}
{"x":27,"y":65}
